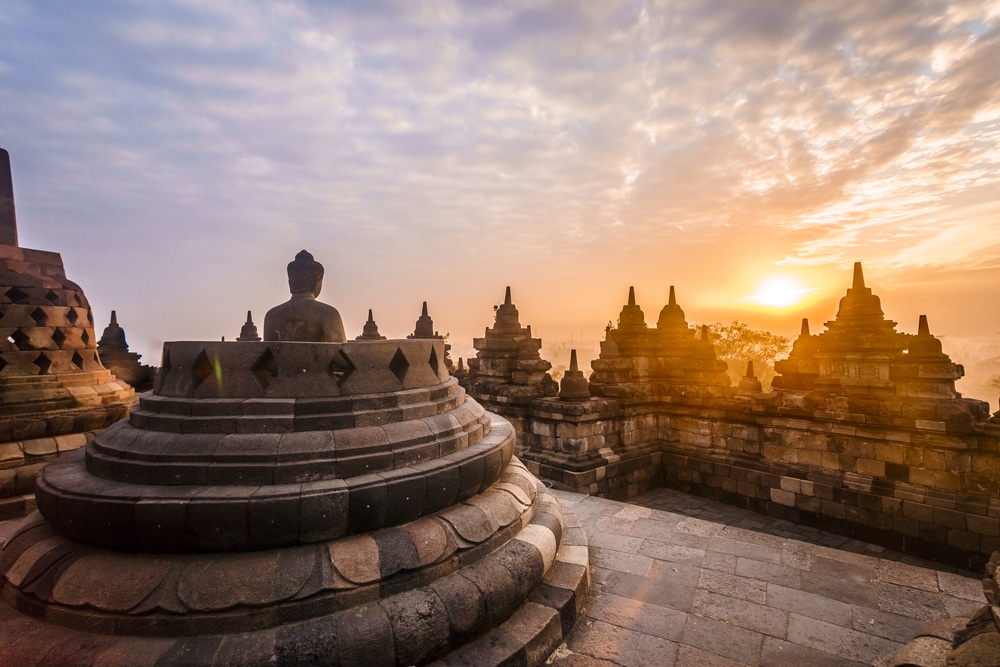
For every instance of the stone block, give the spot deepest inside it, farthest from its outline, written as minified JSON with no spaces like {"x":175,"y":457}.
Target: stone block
{"x":368,"y":503}
{"x":963,"y":539}
{"x":40,"y":447}
{"x":325,"y":508}
{"x":982,"y":525}
{"x":786,"y":498}
{"x":11,"y":454}
{"x":419,"y":623}
{"x":870,"y":467}
{"x":949,"y":518}
{"x":406,"y":491}
{"x":274,"y":521}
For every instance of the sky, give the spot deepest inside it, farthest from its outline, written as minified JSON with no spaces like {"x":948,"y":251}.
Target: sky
{"x":179,"y":153}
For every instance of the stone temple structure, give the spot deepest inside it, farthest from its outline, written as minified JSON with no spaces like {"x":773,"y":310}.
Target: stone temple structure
{"x":54,"y":391}
{"x":114,"y":353}
{"x":508,"y":369}
{"x":285,"y":502}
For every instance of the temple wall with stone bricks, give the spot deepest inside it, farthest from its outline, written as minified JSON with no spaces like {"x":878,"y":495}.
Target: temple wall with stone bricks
{"x":862,"y":434}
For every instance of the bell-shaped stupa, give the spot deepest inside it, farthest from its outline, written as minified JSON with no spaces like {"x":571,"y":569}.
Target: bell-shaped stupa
{"x":292,"y":502}
{"x":54,"y":391}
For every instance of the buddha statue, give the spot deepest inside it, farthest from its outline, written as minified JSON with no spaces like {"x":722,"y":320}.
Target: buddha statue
{"x":302,"y":318}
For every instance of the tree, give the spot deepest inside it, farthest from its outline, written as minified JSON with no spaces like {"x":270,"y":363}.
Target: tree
{"x":737,"y":343}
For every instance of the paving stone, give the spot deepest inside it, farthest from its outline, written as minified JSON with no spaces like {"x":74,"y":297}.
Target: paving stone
{"x":620,"y":562}
{"x":636,"y":615}
{"x":770,"y":572}
{"x":838,"y":588}
{"x":722,"y":639}
{"x":781,"y":653}
{"x":884,"y":624}
{"x":959,"y":606}
{"x":808,"y":604}
{"x":671,"y":552}
{"x":908,"y":575}
{"x":721,"y":562}
{"x":620,"y":646}
{"x":744,"y":549}
{"x":665,"y":594}
{"x":837,"y":640}
{"x":691,"y":656}
{"x":961,"y":587}
{"x":741,"y":588}
{"x":615,"y":542}
{"x":909,"y":601}
{"x":750,"y":615}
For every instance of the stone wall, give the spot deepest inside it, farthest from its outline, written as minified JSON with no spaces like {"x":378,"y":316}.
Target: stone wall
{"x":918,"y":487}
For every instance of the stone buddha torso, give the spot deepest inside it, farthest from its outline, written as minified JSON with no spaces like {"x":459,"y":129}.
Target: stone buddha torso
{"x":302,"y":318}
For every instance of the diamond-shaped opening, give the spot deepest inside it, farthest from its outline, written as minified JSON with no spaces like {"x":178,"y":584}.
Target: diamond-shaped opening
{"x":52,"y":297}
{"x":399,"y":365}
{"x":77,"y":300}
{"x":78,"y":360}
{"x":17,"y":295}
{"x":265,"y":369}
{"x":201,"y":369}
{"x":21,"y":340}
{"x":72,"y":316}
{"x":40,"y":317}
{"x":85,"y":337}
{"x":433,"y":361}
{"x":3,"y":364}
{"x":43,"y":363}
{"x":58,"y":337}
{"x":340,"y":368}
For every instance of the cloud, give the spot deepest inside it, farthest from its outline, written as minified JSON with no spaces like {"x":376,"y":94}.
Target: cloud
{"x":577,"y":145}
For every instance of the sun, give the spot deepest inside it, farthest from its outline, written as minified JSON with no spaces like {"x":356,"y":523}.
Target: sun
{"x":779,"y":292}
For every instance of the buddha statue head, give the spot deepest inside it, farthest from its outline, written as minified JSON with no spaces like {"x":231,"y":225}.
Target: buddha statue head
{"x":305,"y":274}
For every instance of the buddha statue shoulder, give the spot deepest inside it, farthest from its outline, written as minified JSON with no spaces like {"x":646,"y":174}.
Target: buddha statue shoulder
{"x":302,"y":318}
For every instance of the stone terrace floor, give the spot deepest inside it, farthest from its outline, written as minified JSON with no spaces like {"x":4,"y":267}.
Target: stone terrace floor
{"x":678,"y":580}
{"x":686,"y":581}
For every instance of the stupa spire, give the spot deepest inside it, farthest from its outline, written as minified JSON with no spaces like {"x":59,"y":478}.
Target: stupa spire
{"x":923,"y":329}
{"x":805,"y":327}
{"x":506,"y":298}
{"x":859,"y":277}
{"x":631,"y":295}
{"x":673,"y":298}
{"x":8,"y":221}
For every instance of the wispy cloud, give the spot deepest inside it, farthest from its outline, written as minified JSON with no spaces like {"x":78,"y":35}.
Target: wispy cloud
{"x":577,"y":146}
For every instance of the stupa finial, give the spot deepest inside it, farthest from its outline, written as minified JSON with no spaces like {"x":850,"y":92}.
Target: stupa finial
{"x":859,"y":277}
{"x":8,"y":221}
{"x":573,"y":366}
{"x":506,"y":298}
{"x":114,"y":318}
{"x":423,"y":311}
{"x":805,"y":327}
{"x":750,"y":373}
{"x":631,"y":295}
{"x":923,"y":329}
{"x":673,"y":297}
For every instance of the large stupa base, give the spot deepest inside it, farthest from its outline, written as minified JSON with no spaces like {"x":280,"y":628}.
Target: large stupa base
{"x":292,"y":504}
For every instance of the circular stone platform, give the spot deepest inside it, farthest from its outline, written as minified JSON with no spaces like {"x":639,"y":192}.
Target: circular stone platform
{"x":295,"y":503}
